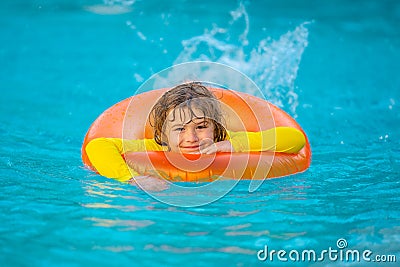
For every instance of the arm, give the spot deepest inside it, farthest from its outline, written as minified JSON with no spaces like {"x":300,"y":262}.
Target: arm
{"x":279,"y":139}
{"x":106,"y":155}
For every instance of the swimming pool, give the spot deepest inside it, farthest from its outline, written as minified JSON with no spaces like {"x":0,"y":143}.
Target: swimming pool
{"x":334,"y":66}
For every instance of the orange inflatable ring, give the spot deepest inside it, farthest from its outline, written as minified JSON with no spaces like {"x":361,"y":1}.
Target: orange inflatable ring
{"x":254,"y":113}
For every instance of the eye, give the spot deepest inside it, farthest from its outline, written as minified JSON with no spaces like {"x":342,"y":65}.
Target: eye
{"x":203,"y":125}
{"x":179,"y":129}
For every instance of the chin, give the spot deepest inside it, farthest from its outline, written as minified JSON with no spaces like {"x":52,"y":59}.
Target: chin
{"x":189,"y":151}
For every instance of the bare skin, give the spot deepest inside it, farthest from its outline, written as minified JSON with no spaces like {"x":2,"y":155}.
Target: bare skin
{"x":193,"y":135}
{"x":190,"y":136}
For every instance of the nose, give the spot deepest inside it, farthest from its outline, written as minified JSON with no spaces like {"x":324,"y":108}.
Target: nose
{"x":191,"y":136}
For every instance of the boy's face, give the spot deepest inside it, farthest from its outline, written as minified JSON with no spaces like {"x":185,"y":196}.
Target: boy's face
{"x":184,"y":132}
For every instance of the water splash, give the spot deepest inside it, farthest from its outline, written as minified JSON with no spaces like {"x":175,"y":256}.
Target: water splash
{"x":271,"y":64}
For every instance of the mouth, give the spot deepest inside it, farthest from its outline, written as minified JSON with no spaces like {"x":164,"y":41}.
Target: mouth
{"x":190,"y":149}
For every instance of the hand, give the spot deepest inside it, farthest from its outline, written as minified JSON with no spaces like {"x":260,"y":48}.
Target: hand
{"x":149,"y":183}
{"x":209,"y":147}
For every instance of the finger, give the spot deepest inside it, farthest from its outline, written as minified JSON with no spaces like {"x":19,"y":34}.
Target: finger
{"x":206,"y":143}
{"x":209,"y":150}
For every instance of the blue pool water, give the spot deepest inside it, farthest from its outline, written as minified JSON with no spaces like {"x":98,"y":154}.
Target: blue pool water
{"x":333,"y":65}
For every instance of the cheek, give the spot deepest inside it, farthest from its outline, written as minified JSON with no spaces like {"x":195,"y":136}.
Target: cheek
{"x":173,"y":141}
{"x":173,"y":138}
{"x":208,"y":134}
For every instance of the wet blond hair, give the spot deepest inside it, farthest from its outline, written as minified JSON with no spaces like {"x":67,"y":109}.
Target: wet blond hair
{"x":187,"y":96}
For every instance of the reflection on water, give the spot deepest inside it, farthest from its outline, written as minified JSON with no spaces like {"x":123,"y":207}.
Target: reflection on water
{"x":189,"y":249}
{"x":126,"y":225}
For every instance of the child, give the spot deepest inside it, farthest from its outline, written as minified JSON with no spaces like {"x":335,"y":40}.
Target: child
{"x":188,"y":119}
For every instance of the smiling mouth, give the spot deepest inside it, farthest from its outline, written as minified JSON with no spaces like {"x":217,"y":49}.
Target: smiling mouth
{"x":190,"y":148}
